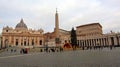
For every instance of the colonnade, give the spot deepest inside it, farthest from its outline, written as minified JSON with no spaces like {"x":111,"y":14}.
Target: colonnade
{"x":103,"y":41}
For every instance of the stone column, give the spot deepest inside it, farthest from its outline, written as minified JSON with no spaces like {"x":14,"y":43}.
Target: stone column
{"x":34,"y":41}
{"x":30,"y":41}
{"x":93,"y":42}
{"x":38,"y":39}
{"x":19,"y":41}
{"x":26,"y":41}
{"x":84,"y":43}
{"x":106,"y":42}
{"x":44,"y":41}
{"x":23,"y":41}
{"x":109,"y":41}
{"x":88,"y":43}
{"x":103,"y":42}
{"x":115,"y":40}
{"x":10,"y":40}
{"x":100,"y":42}
{"x":14,"y":41}
{"x":3,"y":41}
{"x":81,"y":43}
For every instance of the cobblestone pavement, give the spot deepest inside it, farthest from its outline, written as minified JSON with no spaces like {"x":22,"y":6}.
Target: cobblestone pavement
{"x":10,"y":52}
{"x":81,"y":58}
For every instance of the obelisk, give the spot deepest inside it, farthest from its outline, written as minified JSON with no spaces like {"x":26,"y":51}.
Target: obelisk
{"x":56,"y":25}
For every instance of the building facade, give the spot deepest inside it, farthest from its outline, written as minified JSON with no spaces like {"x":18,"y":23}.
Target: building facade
{"x":21,"y":36}
{"x":91,"y":35}
{"x":93,"y":29}
{"x":88,"y":35}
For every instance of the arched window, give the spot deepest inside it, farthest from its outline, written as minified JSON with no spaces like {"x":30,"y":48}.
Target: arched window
{"x":65,"y":41}
{"x":40,"y":42}
{"x":21,"y":42}
{"x":28,"y":42}
{"x":32,"y":42}
{"x":24,"y":43}
{"x":6,"y":30}
{"x":16,"y":42}
{"x":6,"y":43}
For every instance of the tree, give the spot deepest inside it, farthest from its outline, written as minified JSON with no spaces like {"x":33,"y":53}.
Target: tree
{"x":73,"y":38}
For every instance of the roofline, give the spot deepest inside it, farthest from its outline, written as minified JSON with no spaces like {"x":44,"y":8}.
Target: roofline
{"x":90,"y":24}
{"x":64,"y":30}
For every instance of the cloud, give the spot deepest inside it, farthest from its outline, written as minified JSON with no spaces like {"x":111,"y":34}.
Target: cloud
{"x":40,"y":14}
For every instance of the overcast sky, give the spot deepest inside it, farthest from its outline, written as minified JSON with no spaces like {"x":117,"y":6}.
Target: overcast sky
{"x":41,"y":13}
